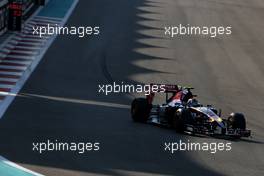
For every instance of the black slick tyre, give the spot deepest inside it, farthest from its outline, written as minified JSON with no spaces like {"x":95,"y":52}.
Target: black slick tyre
{"x":140,"y":110}
{"x":236,"y":121}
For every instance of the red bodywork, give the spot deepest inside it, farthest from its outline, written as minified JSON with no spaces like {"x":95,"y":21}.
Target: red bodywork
{"x":164,"y":88}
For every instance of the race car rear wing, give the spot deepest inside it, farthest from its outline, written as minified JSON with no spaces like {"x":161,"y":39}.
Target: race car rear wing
{"x":169,"y":88}
{"x":163,"y":88}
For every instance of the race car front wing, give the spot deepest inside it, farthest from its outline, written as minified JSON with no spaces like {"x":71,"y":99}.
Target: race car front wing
{"x":191,"y":129}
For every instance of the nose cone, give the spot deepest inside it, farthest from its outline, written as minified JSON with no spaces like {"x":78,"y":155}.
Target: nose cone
{"x":221,"y":124}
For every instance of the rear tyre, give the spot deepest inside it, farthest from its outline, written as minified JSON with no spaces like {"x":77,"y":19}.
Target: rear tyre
{"x":236,"y":121}
{"x":140,"y":110}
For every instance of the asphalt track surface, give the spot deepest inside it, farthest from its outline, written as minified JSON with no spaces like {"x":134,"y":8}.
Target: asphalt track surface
{"x":60,"y":100}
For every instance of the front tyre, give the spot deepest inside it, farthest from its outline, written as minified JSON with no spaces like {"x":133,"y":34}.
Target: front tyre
{"x":140,"y":110}
{"x":180,"y":118}
{"x":236,"y":121}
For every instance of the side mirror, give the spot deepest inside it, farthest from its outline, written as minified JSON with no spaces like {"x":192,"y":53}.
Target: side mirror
{"x":220,"y":112}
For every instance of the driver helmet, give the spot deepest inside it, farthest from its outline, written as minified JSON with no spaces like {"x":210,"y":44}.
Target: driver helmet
{"x":192,"y":102}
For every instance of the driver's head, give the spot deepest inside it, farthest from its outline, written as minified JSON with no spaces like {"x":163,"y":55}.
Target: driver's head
{"x":186,"y":95}
{"x":192,"y":102}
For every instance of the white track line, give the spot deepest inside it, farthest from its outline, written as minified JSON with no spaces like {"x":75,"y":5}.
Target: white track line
{"x":25,"y":47}
{"x":48,"y":18}
{"x":34,"y":36}
{"x":35,"y":39}
{"x":15,"y":62}
{"x":11,"y":73}
{"x":27,"y":43}
{"x":9,"y":79}
{"x":8,"y":86}
{"x":20,"y":57}
{"x":13,"y":67}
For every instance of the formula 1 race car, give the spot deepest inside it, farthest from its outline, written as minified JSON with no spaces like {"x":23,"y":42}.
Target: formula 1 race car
{"x":185,"y":114}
